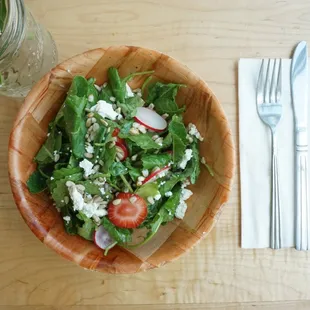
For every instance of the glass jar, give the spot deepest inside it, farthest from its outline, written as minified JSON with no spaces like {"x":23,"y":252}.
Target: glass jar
{"x":27,"y":51}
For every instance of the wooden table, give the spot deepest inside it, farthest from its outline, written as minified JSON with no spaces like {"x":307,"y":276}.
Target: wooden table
{"x":209,"y":36}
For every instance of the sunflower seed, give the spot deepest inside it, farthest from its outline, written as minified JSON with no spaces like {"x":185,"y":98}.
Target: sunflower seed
{"x":104,"y":122}
{"x":134,"y":131}
{"x":145,"y":173}
{"x":134,"y":157}
{"x":96,"y":127}
{"x":133,"y":199}
{"x":117,"y":202}
{"x":141,"y":179}
{"x":112,"y":144}
{"x":150,"y":200}
{"x":88,"y":122}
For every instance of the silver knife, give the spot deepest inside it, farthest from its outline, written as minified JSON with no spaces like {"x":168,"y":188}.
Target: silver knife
{"x":299,"y":87}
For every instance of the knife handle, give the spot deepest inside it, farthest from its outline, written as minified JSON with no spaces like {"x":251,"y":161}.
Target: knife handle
{"x":302,"y":229}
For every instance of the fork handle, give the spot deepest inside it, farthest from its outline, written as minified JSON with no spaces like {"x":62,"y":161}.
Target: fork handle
{"x":302,"y":228}
{"x":275,"y":232}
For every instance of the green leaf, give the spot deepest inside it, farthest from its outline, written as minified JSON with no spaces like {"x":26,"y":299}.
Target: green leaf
{"x":178,"y":149}
{"x":73,"y":162}
{"x":36,"y":182}
{"x":106,"y":93}
{"x":167,"y":142}
{"x":144,"y":141}
{"x":125,"y":128}
{"x":192,"y":169}
{"x":194,"y":164}
{"x":209,"y":168}
{"x":152,"y":211}
{"x":169,"y":207}
{"x":169,"y":184}
{"x":75,"y":123}
{"x":59,"y":191}
{"x":91,"y":90}
{"x":177,"y":128}
{"x":52,"y":144}
{"x":163,"y":97}
{"x":160,"y":160}
{"x":117,"y":169}
{"x":71,"y":226}
{"x":148,"y":189}
{"x":134,"y":172}
{"x":129,"y":107}
{"x":178,"y":133}
{"x":66,"y":172}
{"x":59,"y":166}
{"x":79,"y":87}
{"x":97,"y":141}
{"x":90,"y":187}
{"x":87,"y":230}
{"x":145,"y":83}
{"x":121,"y":235}
{"x":118,"y":85}
{"x":108,"y":158}
{"x":132,"y":148}
{"x":59,"y":119}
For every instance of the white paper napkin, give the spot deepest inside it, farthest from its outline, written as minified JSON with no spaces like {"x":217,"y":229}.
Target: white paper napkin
{"x":255,"y":160}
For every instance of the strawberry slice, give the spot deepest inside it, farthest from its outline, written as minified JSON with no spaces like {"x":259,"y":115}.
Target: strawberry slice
{"x":127,"y":210}
{"x":121,"y":151}
{"x":154,"y":175}
{"x":115,"y":134}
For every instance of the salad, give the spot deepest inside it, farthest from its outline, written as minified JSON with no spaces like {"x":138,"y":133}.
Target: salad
{"x":116,"y":160}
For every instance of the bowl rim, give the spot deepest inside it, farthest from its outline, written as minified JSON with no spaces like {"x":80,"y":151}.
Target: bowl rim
{"x":18,"y":192}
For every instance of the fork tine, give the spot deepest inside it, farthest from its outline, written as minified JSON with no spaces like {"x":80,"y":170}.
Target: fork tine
{"x":273,"y":85}
{"x":279,"y":82}
{"x":260,"y":83}
{"x":267,"y":83}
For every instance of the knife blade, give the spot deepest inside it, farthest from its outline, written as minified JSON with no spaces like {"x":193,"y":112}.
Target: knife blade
{"x":299,"y":88}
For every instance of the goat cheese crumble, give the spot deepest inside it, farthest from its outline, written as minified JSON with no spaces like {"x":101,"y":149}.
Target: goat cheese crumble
{"x":182,"y":207}
{"x":85,"y":203}
{"x":87,"y":166}
{"x":193,"y":131}
{"x":105,"y":110}
{"x":186,"y":158}
{"x":129,"y":92}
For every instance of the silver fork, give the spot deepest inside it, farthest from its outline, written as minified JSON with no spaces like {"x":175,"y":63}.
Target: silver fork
{"x":269,"y":108}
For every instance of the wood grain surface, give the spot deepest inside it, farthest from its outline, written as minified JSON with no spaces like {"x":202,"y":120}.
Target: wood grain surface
{"x":208,"y":36}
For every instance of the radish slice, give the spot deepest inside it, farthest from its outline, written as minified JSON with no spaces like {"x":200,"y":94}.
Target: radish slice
{"x":115,"y":134}
{"x":121,"y":151}
{"x":150,"y":119}
{"x":102,"y":238}
{"x":154,"y":175}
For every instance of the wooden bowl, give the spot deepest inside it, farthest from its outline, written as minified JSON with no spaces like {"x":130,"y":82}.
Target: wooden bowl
{"x":210,"y":193}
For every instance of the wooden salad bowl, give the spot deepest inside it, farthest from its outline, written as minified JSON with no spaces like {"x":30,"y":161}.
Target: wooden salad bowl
{"x":210,"y":193}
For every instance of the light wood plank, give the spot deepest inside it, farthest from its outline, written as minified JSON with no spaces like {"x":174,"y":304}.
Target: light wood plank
{"x":208,"y":36}
{"x":288,"y":305}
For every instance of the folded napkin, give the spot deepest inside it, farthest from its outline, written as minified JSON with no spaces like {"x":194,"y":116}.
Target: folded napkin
{"x":255,"y":160}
